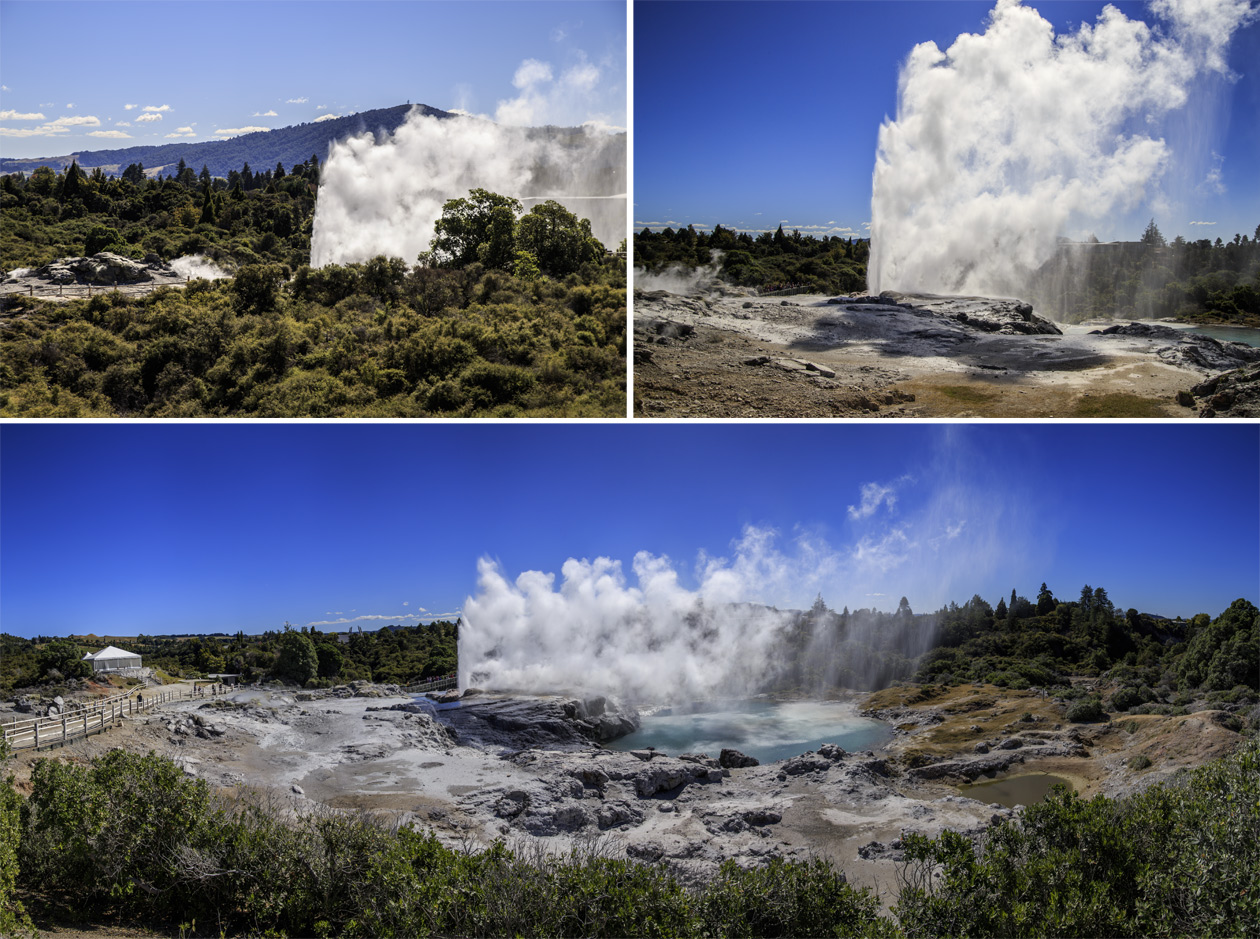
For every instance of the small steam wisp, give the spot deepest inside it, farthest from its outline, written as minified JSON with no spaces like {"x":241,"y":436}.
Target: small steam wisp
{"x":383,"y":196}
{"x":1008,"y":139}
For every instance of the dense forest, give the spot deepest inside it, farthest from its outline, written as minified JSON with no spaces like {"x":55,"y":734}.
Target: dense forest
{"x":508,"y":315}
{"x":771,"y":261}
{"x":1193,"y":281}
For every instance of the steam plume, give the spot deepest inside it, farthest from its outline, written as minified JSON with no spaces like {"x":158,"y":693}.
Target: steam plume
{"x":654,"y":639}
{"x":383,"y":196}
{"x":1007,"y":139}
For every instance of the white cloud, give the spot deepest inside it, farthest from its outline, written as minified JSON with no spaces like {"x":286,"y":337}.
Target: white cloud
{"x":297,"y":100}
{"x":122,"y":123}
{"x":1202,"y":223}
{"x":531,"y":72}
{"x":16,"y":116}
{"x":162,"y":107}
{"x":237,"y":131}
{"x":182,"y":132}
{"x":326,"y":117}
{"x":4,"y":88}
{"x":112,"y":134}
{"x":42,"y":131}
{"x":186,"y":130}
{"x":148,"y":118}
{"x":265,"y":114}
{"x":873,"y":496}
{"x":321,"y":107}
{"x":77,"y":121}
{"x":130,"y":107}
{"x":71,"y":105}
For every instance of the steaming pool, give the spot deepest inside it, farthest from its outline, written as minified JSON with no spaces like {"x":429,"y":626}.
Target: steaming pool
{"x":768,"y":730}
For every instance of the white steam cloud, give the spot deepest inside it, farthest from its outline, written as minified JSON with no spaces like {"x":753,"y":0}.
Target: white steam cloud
{"x":654,"y":639}
{"x":1009,"y":139}
{"x":383,"y":196}
{"x":198,"y":265}
{"x":681,"y":280}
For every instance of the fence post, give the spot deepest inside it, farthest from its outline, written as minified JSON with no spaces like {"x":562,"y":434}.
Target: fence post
{"x":64,"y":729}
{"x":37,"y":735}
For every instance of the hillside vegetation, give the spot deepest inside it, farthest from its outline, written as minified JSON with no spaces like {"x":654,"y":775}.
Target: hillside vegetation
{"x":509,"y":315}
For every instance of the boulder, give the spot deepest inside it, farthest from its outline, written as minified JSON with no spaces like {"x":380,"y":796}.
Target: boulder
{"x":733,"y":759}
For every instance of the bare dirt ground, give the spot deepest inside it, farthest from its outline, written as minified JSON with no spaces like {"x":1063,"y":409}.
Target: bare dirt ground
{"x":732,"y":354}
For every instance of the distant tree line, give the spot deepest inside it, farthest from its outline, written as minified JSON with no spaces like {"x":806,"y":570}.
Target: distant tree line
{"x":248,"y":217}
{"x":1201,"y":281}
{"x":392,"y":655}
{"x":770,"y":260}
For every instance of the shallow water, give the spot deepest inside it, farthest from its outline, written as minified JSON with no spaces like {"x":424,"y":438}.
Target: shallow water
{"x":1243,"y":334}
{"x":1026,"y":789}
{"x":768,"y":730}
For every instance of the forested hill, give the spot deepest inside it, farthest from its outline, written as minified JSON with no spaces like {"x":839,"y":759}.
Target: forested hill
{"x":287,"y":145}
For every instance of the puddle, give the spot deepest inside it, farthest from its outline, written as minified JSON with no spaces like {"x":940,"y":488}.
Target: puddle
{"x":1010,"y":791}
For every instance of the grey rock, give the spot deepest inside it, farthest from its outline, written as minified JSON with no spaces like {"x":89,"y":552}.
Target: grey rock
{"x":733,"y":759}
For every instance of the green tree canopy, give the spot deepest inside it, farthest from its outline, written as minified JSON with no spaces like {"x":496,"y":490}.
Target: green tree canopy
{"x":467,"y":224}
{"x":296,"y":658}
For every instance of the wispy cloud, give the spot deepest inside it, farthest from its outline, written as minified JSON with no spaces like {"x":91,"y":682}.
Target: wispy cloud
{"x":265,"y":114}
{"x":16,"y":116}
{"x":112,"y":134}
{"x":297,"y":100}
{"x":237,"y":131}
{"x":156,"y":108}
{"x":874,"y":495}
{"x":326,"y":117}
{"x":148,"y":118}
{"x":1202,"y":223}
{"x":384,"y":617}
{"x":77,"y":121}
{"x":130,"y":107}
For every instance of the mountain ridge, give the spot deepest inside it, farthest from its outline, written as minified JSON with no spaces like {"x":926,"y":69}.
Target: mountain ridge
{"x":288,"y":145}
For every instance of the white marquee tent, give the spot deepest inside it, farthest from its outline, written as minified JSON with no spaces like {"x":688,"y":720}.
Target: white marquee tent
{"x":111,"y":659}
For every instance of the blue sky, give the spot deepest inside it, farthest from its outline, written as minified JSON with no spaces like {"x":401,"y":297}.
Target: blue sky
{"x":164,"y":528}
{"x":752,"y":114}
{"x":79,"y":76}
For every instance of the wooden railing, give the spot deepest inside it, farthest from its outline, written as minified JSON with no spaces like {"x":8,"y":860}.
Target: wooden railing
{"x":85,"y":720}
{"x":435,"y":684}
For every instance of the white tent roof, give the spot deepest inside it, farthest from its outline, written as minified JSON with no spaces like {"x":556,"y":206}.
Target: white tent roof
{"x":111,"y":652}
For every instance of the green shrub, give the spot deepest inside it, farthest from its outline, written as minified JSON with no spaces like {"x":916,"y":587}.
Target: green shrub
{"x":1177,"y":859}
{"x":1086,"y":711}
{"x":1139,"y":762}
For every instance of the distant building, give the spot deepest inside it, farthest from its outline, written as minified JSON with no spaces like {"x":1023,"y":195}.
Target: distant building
{"x":112,"y":659}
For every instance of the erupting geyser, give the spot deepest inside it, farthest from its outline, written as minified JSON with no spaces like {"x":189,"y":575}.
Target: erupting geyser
{"x":1009,"y":139}
{"x":383,"y":196}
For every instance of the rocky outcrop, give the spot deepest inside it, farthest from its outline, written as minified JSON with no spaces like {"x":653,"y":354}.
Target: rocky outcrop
{"x":101,"y":269}
{"x":1187,"y":349}
{"x":730,"y":758}
{"x":980,"y":314}
{"x":523,"y":722}
{"x":1235,"y":393}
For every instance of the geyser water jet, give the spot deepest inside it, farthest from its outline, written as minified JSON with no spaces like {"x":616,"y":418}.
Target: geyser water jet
{"x":1009,"y":139}
{"x":383,"y":196}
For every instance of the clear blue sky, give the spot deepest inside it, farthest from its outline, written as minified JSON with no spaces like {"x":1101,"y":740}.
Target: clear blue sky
{"x":70,"y":70}
{"x":164,"y":528}
{"x":750,"y":114}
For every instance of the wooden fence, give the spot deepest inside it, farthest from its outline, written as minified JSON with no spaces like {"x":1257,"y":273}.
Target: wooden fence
{"x":73,"y":291}
{"x":85,"y":720}
{"x":435,"y":684}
